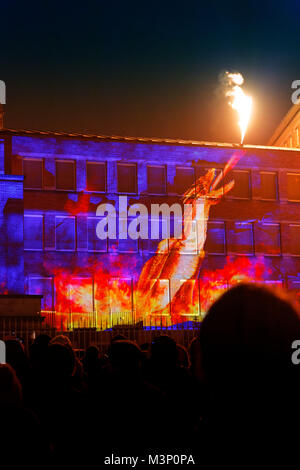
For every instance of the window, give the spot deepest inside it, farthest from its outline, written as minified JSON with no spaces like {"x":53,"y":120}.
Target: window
{"x":189,"y":289}
{"x":156,"y":179}
{"x":241,"y":189}
{"x":96,"y":176}
{"x":241,"y":238}
{"x":127,"y":177}
{"x":297,"y":136}
{"x":268,"y":185}
{"x":267,"y":239}
{"x":65,"y":233}
{"x":215,"y":239}
{"x":121,"y":311}
{"x":65,"y":175}
{"x":33,"y":173}
{"x":42,"y":286}
{"x":94,"y":243}
{"x":291,"y":141}
{"x":293,"y":186}
{"x":201,"y":171}
{"x":33,"y":232}
{"x":184,"y":179}
{"x":128,"y":245}
{"x":79,"y":297}
{"x":294,"y":245}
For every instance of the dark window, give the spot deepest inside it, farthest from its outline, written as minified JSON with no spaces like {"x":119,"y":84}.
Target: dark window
{"x":33,"y":232}
{"x":65,"y":175}
{"x":268,"y":239}
{"x":94,"y":242}
{"x":241,"y":188}
{"x":215,"y":239}
{"x":294,"y":240}
{"x":96,"y":176}
{"x":293,"y":186}
{"x":65,"y":233}
{"x":241,"y":238}
{"x":268,"y":185}
{"x":33,"y":171}
{"x":184,"y":179}
{"x":127,"y":177}
{"x":156,"y":179}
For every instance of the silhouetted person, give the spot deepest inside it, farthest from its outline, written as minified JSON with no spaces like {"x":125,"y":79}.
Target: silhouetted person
{"x":21,"y":438}
{"x":252,"y":386}
{"x":176,"y":382}
{"x":60,"y":406}
{"x":38,"y":349}
{"x":16,"y":357}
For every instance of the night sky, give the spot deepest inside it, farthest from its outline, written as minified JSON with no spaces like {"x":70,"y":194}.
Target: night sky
{"x":147,"y":68}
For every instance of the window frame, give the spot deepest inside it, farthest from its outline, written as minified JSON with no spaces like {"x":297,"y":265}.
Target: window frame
{"x":150,"y":165}
{"x":231,"y":196}
{"x":219,"y":222}
{"x":289,"y":248}
{"x":35,"y":160}
{"x":134,"y":164}
{"x":40,"y":216}
{"x":275,"y":173}
{"x":75,"y":232}
{"x":287,"y":174}
{"x":63,"y":160}
{"x":87,"y":234}
{"x":88,"y":162}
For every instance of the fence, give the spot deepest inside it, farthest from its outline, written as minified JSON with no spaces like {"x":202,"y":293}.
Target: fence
{"x":26,"y":330}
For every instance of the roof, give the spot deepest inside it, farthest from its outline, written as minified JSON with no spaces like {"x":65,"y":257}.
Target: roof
{"x":285,"y":122}
{"x":129,"y":139}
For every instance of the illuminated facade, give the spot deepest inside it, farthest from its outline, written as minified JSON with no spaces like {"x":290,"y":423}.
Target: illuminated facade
{"x":51,"y":185}
{"x":287,"y":134}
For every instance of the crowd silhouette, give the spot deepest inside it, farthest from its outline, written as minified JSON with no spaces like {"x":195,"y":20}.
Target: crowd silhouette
{"x":234,"y":394}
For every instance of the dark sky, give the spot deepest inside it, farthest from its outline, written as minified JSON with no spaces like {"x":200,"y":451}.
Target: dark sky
{"x":147,"y":68}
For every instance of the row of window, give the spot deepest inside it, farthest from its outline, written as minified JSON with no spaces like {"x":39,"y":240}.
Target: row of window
{"x":127,"y":181}
{"x":238,"y":237}
{"x":46,"y":286}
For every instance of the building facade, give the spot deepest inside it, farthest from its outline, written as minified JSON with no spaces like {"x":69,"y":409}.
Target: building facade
{"x":287,"y":134}
{"x":51,"y":185}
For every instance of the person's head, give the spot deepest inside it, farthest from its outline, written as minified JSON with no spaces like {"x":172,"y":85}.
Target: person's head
{"x":118,"y":337}
{"x":125,"y":355}
{"x":15,"y":355}
{"x":10,"y":387}
{"x":61,"y":339}
{"x":59,"y":362}
{"x":38,"y":348}
{"x":247,"y":333}
{"x":164,"y":351}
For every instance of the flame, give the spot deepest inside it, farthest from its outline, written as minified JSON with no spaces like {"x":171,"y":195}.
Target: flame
{"x":116,"y":300}
{"x":239,"y":101}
